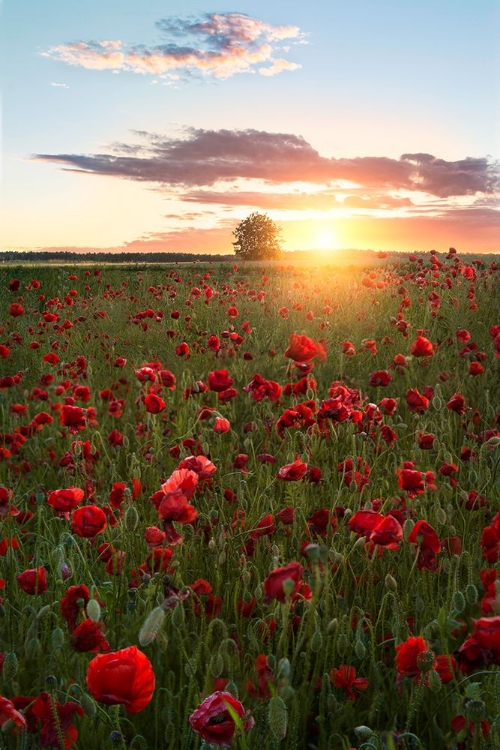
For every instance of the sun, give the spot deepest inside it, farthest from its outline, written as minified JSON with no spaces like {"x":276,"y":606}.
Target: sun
{"x":324,"y":240}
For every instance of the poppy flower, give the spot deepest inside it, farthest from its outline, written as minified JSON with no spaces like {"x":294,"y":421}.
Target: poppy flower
{"x":457,"y":404}
{"x":88,"y":636}
{"x":274,"y":583}
{"x":154,"y":404}
{"x":293,"y":472}
{"x":219,"y":381}
{"x":33,"y":581}
{"x":52,"y":727}
{"x":213,"y":721}
{"x":64,"y":501}
{"x":9,"y":711}
{"x":302,"y":349}
{"x":345,"y":678}
{"x":122,"y":677}
{"x":73,"y":602}
{"x":88,"y":521}
{"x":409,"y":656}
{"x":416,"y":402}
{"x":422,"y":347}
{"x":72,"y":417}
{"x":379,"y":378}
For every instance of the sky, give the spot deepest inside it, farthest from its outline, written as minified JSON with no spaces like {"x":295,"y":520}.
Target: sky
{"x":133,"y":125}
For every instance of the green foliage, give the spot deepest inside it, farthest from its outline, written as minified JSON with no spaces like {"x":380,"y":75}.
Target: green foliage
{"x":257,"y":238}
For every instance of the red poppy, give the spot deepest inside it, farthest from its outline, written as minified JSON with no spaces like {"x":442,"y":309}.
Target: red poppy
{"x":33,"y":581}
{"x":410,"y":654}
{"x":64,"y":501}
{"x":122,"y":677}
{"x":345,"y":678}
{"x":302,"y":349}
{"x":219,"y":381}
{"x":72,"y":417}
{"x":416,"y":401}
{"x":73,"y":602}
{"x":221,"y":425}
{"x":379,"y":378}
{"x":9,"y":712}
{"x":16,"y":310}
{"x":274,"y":584}
{"x":422,"y":347}
{"x":52,"y":728}
{"x":88,"y":636}
{"x":293,"y":472}
{"x":213,"y":721}
{"x":154,"y":404}
{"x":457,"y":404}
{"x":88,"y":521}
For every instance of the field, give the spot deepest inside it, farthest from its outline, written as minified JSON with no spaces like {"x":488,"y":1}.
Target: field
{"x":250,"y":506}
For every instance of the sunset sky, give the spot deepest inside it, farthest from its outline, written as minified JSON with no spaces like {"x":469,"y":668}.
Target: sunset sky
{"x":140,"y":125}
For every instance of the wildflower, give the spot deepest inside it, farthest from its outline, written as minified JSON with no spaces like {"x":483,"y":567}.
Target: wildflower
{"x":122,"y":677}
{"x":213,"y":721}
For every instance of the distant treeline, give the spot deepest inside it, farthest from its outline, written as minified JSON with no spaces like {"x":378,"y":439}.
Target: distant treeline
{"x":66,"y":256}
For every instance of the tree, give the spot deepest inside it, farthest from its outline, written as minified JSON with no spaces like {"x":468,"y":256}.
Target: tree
{"x":257,"y":238}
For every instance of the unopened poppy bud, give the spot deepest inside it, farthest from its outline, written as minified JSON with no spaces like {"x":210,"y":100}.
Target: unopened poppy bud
{"x":10,"y":666}
{"x":178,"y":616}
{"x":471,"y":593}
{"x":435,"y":683}
{"x":278,"y":718}
{"x":222,"y":557}
{"x":212,"y":545}
{"x":342,"y":644}
{"x":360,"y":650}
{"x":51,"y":681}
{"x":57,"y":638}
{"x":363,"y":732}
{"x":458,"y":602}
{"x":332,"y":705}
{"x":441,"y":515}
{"x":151,"y":626}
{"x":116,"y":737}
{"x":316,"y":642}
{"x":131,"y":519}
{"x":216,"y":665}
{"x":284,"y":669}
{"x":332,"y":626}
{"x":437,"y":403}
{"x":93,"y":610}
{"x":390,"y":583}
{"x":64,"y":571}
{"x":33,"y":648}
{"x":88,"y":705}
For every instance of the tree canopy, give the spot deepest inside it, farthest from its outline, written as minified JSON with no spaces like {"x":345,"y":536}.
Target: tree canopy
{"x":257,"y":238}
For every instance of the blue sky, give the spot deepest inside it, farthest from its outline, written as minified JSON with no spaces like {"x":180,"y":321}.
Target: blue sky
{"x":185,"y":117}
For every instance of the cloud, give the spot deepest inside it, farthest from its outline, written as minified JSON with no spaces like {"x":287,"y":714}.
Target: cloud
{"x":217,"y":45}
{"x":203,"y":158}
{"x":59,"y":85}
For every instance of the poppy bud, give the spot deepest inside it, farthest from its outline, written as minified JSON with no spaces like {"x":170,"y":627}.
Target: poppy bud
{"x":10,"y":666}
{"x":93,"y":610}
{"x":151,"y":626}
{"x":278,"y":718}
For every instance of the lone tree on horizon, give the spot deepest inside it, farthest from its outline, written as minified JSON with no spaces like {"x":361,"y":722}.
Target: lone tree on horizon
{"x":257,"y":238}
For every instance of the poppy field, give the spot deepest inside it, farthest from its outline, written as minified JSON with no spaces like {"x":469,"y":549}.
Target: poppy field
{"x":250,"y":506}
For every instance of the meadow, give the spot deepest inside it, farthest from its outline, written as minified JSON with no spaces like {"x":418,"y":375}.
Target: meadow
{"x":250,"y":506}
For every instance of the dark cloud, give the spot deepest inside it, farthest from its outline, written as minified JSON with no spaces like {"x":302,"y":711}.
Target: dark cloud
{"x":203,"y":158}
